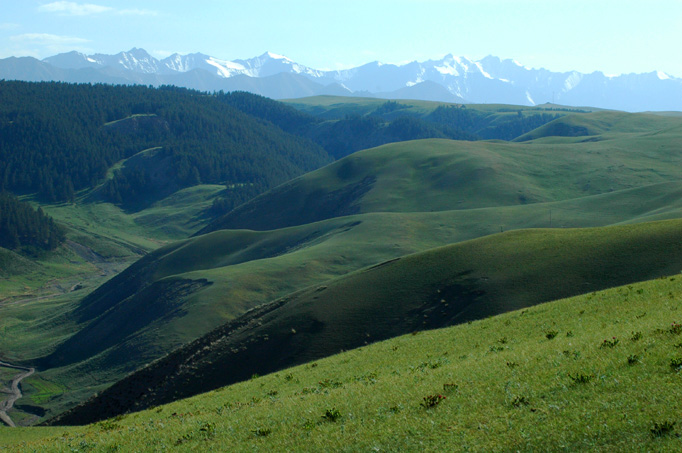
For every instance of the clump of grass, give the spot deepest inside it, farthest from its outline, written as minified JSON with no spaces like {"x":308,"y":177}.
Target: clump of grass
{"x":261,"y":432}
{"x":551,"y":334}
{"x":331,"y":415}
{"x":108,"y":425}
{"x":676,"y":363}
{"x":512,"y":365}
{"x":663,"y":428}
{"x":430,"y":401}
{"x":675,"y":328}
{"x":581,"y":378}
{"x":206,"y":431}
{"x":612,"y":343}
{"x":450,"y":387}
{"x":633,"y":359}
{"x":519,"y":401}
{"x":636,"y":336}
{"x":329,"y":383}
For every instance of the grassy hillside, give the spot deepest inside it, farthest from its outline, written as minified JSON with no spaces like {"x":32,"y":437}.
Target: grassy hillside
{"x":374,"y":206}
{"x":606,"y":123}
{"x":408,"y":197}
{"x":598,"y":372}
{"x":249,"y":268}
{"x":438,"y":175}
{"x":443,"y":286}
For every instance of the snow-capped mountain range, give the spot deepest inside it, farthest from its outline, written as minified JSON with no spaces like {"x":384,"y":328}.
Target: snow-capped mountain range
{"x":453,"y":79}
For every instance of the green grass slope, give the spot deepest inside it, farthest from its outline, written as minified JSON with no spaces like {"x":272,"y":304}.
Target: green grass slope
{"x":539,"y":379}
{"x":184,"y":290}
{"x":601,"y":123}
{"x":440,"y":287}
{"x":438,"y":175}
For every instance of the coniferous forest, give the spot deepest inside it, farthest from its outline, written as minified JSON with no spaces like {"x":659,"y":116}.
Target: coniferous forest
{"x":22,"y":227}
{"x":56,"y":139}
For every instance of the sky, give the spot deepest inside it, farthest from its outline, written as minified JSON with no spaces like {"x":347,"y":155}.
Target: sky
{"x":614,"y":37}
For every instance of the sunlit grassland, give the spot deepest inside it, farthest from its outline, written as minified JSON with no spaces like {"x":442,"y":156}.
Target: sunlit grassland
{"x":542,"y":378}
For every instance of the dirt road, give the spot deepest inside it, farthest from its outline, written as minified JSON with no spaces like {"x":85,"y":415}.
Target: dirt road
{"x":15,"y":391}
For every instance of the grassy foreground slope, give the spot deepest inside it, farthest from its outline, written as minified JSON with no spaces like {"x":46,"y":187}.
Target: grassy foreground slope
{"x":440,"y":287}
{"x":596,"y":372}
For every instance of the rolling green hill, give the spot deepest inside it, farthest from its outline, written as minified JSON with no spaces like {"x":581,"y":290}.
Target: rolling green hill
{"x":440,"y":287}
{"x":597,"y":372}
{"x":373,"y":206}
{"x":438,"y":175}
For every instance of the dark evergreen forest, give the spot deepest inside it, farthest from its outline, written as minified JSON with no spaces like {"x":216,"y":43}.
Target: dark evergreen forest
{"x":22,"y":227}
{"x":57,"y":138}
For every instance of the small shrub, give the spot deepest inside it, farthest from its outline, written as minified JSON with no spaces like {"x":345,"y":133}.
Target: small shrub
{"x":519,"y":401}
{"x":503,"y":340}
{"x":261,"y":432}
{"x":676,"y":363}
{"x":108,"y":425}
{"x":663,"y":428}
{"x":331,"y":415}
{"x":574,"y":354}
{"x":289,"y":377}
{"x":329,"y":383}
{"x":636,"y":336}
{"x":396,"y":408}
{"x":207,"y":430}
{"x":432,"y":401}
{"x":450,"y":387}
{"x":551,"y":334}
{"x":609,"y":343}
{"x":633,"y":359}
{"x":675,"y":329}
{"x":581,"y":378}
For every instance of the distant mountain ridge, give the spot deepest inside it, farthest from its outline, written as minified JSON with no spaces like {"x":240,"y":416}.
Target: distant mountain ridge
{"x":450,"y":79}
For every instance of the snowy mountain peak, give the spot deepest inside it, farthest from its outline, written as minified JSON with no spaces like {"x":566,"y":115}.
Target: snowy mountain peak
{"x":662,"y":75}
{"x":486,"y":80}
{"x":275,"y":56}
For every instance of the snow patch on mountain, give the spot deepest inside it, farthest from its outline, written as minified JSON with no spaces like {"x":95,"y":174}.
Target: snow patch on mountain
{"x":662,"y":75}
{"x":486,"y":80}
{"x":572,"y":81}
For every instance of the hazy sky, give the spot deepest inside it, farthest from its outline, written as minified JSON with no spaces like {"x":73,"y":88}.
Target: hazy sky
{"x":586,"y":35}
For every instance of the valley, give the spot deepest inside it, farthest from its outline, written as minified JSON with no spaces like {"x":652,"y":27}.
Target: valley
{"x":172,"y":273}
